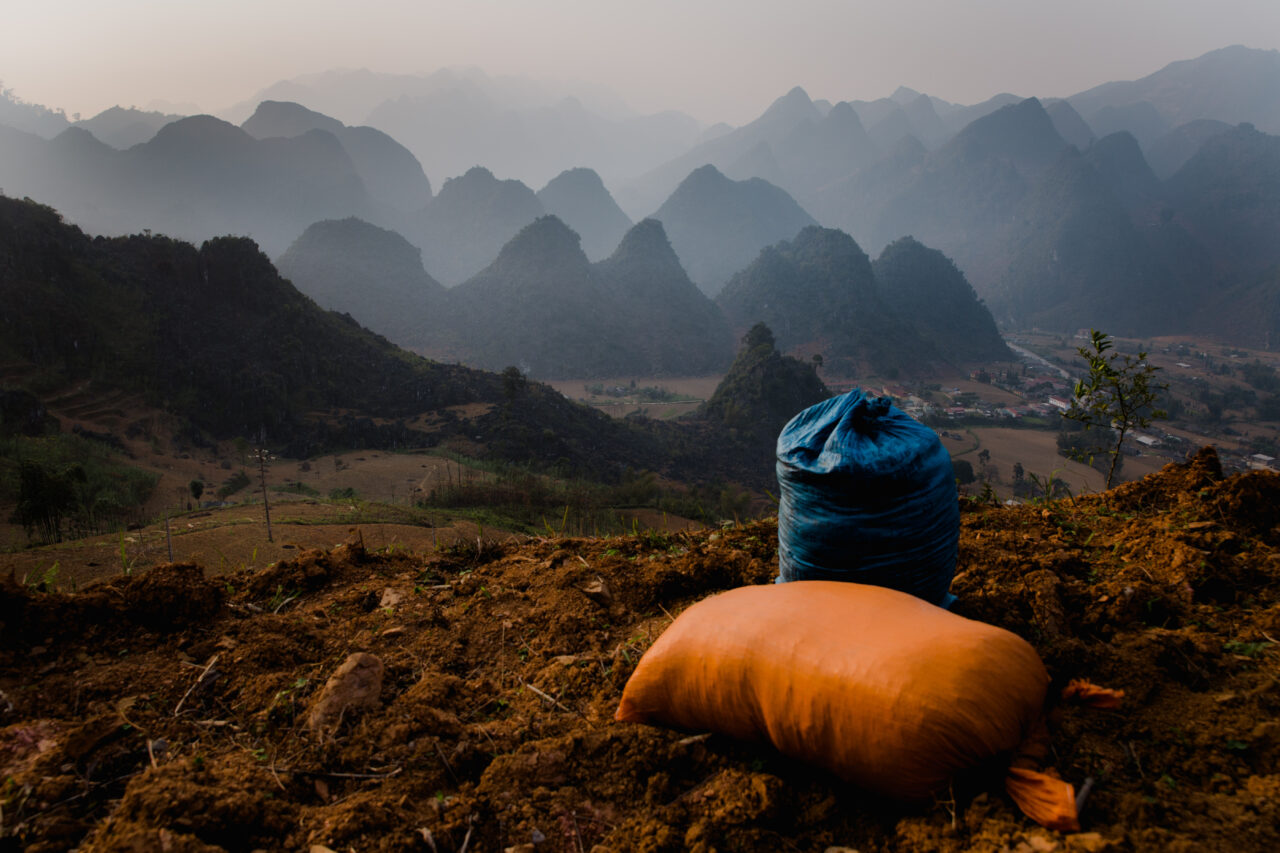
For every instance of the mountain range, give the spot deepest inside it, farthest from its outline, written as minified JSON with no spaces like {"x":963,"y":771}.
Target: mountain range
{"x":371,"y":274}
{"x":1232,"y":85}
{"x":454,"y":119}
{"x":541,"y":305}
{"x":1166,"y":204}
{"x":717,"y":225}
{"x":818,"y":294}
{"x":198,"y":177}
{"x":390,"y":173}
{"x":545,"y":308}
{"x":1062,"y":238}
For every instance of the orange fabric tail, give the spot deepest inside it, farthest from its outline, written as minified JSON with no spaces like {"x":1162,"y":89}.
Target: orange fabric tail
{"x":1048,"y":801}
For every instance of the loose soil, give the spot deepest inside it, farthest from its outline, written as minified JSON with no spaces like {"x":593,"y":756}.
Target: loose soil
{"x":168,"y":710}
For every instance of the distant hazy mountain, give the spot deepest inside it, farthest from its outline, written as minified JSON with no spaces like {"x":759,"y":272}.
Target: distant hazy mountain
{"x":1070,"y":126}
{"x":1228,"y":197}
{"x":672,"y":326}
{"x":1141,"y":119}
{"x":390,"y":173}
{"x":871,"y":113}
{"x":894,"y":125}
{"x":1119,"y":161}
{"x":74,"y":170}
{"x":543,"y":307}
{"x":1076,"y":260}
{"x":579,"y":198}
{"x":960,"y":199}
{"x":30,"y":118}
{"x":1096,"y":238}
{"x":452,"y":130}
{"x":1245,"y":313}
{"x":1023,"y":134}
{"x":926,"y":124}
{"x":270,"y":189}
{"x":924,"y":288}
{"x":538,"y":307}
{"x":372,"y":274}
{"x":465,"y":226}
{"x":456,"y":118}
{"x":123,"y":128}
{"x":759,"y":162}
{"x":818,"y":294}
{"x":724,"y":149}
{"x":1234,"y":84}
{"x":346,"y":94}
{"x":717,"y":225}
{"x":930,"y":120}
{"x":855,"y":204}
{"x":1167,"y":154}
{"x":793,"y":143}
{"x":350,"y":94}
{"x":197,"y":178}
{"x":905,"y":95}
{"x":815,"y":153}
{"x":962,"y":116}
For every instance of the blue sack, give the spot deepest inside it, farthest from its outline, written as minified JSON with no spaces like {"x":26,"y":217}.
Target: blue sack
{"x":867,"y":495}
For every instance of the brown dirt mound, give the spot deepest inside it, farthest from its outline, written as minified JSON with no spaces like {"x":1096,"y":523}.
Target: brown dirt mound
{"x":502,"y":665}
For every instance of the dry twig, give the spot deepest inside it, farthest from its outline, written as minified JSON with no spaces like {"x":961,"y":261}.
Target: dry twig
{"x":1083,"y":794}
{"x":334,"y":775}
{"x":551,"y":699}
{"x":445,"y":762}
{"x":466,"y":842}
{"x":203,"y":674}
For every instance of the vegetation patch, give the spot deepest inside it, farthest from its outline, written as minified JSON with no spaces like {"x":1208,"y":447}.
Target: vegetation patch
{"x":68,"y":486}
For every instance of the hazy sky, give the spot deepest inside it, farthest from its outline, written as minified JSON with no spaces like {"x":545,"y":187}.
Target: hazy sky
{"x":720,"y":60}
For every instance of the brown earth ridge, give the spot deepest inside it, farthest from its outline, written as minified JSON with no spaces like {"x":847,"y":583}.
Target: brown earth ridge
{"x":169,"y":711}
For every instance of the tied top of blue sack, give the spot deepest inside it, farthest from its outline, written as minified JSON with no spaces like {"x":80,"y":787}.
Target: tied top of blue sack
{"x":857,"y":435}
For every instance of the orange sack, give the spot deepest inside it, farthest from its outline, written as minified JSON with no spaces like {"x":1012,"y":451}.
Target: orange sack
{"x":886,"y":690}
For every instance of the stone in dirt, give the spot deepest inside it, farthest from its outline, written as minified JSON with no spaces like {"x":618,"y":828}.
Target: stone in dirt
{"x":599,"y":592}
{"x":355,"y":684}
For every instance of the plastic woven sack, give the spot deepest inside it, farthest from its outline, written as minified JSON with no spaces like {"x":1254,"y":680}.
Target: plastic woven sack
{"x":883,"y":689}
{"x":867,"y":495}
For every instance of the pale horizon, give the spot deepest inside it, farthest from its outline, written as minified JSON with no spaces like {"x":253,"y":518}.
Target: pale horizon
{"x":715,"y":60}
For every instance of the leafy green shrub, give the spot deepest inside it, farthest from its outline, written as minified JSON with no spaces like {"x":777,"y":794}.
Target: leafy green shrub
{"x":1117,"y":395}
